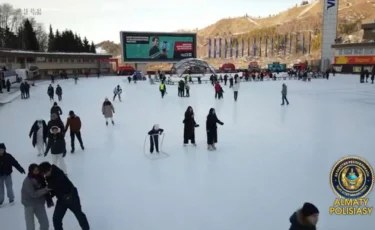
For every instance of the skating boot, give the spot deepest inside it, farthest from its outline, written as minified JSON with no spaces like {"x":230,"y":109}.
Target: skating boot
{"x":209,"y":147}
{"x":213,"y":147}
{"x":72,"y":151}
{"x":82,"y":147}
{"x":195,"y":145}
{"x":11,"y":202}
{"x":106,"y":123}
{"x":40,"y":154}
{"x":113,"y":123}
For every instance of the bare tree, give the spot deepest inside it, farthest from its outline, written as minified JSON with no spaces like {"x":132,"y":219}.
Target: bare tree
{"x":41,"y":36}
{"x":10,"y":17}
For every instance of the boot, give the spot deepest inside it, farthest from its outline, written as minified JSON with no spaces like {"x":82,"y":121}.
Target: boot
{"x":82,"y":147}
{"x":106,"y":123}
{"x":113,"y":123}
{"x":72,"y":151}
{"x":213,"y":147}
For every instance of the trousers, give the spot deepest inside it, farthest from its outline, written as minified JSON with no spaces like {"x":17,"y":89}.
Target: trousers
{"x":58,"y":160}
{"x":235,"y":95}
{"x":8,"y":183}
{"x":39,"y":211}
{"x":73,"y":203}
{"x":72,"y":138}
{"x":40,"y":146}
{"x":154,"y":141}
{"x":118,"y":95}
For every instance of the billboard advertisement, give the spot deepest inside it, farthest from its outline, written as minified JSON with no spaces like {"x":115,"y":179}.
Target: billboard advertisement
{"x":364,"y":60}
{"x":157,"y":47}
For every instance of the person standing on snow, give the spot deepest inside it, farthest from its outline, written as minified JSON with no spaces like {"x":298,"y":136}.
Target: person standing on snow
{"x":211,"y":129}
{"x":39,"y":133}
{"x":305,"y":218}
{"x":66,"y":194}
{"x":74,"y":123}
{"x":117,"y":92}
{"x":7,"y":162}
{"x":50,"y":92}
{"x":284,"y":92}
{"x":59,"y":92}
{"x":108,"y":110}
{"x":189,"y":126}
{"x":56,"y":143}
{"x":154,"y":138}
{"x":236,"y":88}
{"x":162,"y":89}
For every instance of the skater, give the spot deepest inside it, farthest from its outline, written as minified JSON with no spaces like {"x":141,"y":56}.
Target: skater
{"x":211,"y":129}
{"x":225,"y":79}
{"x":235,"y":88}
{"x":162,"y":89}
{"x":181,"y":88}
{"x":74,"y":122}
{"x":66,"y":194}
{"x":34,"y":194}
{"x":373,"y":76}
{"x":7,"y":162}
{"x":56,"y":109}
{"x":39,"y":133}
{"x":284,"y":92}
{"x":117,"y":92}
{"x":56,"y":143}
{"x":108,"y":110}
{"x":217,"y":90}
{"x":75,"y":80}
{"x":154,"y":138}
{"x":187,"y":88}
{"x":8,"y":84}
{"x":23,"y":90}
{"x":129,"y":79}
{"x":55,"y":121}
{"x":305,"y":218}
{"x":221,"y":92}
{"x":189,"y":126}
{"x":50,"y":92}
{"x":230,"y":82}
{"x":27,"y":89}
{"x":59,"y":92}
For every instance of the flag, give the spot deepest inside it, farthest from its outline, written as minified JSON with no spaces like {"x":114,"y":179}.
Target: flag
{"x":297,"y":43}
{"x":303,"y":43}
{"x":209,"y":48}
{"x":260,"y":47}
{"x":219,"y":47}
{"x":290,"y":43}
{"x":214,"y":47}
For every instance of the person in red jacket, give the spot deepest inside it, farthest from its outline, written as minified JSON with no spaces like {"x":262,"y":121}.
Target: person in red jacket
{"x":74,"y":122}
{"x":217,"y":90}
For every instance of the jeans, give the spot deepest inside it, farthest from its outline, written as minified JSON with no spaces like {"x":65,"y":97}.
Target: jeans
{"x":39,"y":211}
{"x":72,"y":137}
{"x":284,"y":99}
{"x":7,"y":181}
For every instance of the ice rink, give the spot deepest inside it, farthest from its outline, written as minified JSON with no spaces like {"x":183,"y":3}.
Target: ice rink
{"x":270,"y":159}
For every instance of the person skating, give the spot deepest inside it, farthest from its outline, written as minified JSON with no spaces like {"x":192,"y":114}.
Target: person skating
{"x":236,"y":88}
{"x":367,"y":75}
{"x":39,"y":134}
{"x":50,"y":92}
{"x":221,"y":92}
{"x":373,"y":76}
{"x":284,"y":92}
{"x":305,"y":218}
{"x":187,"y":88}
{"x":117,"y":92}
{"x":211,"y":129}
{"x":66,"y":194}
{"x":230,"y":82}
{"x":56,"y":143}
{"x":8,"y":84}
{"x":154,"y":138}
{"x":56,"y":109}
{"x":27,"y":89}
{"x":162,"y":89}
{"x":59,"y":92}
{"x":217,"y":90}
{"x":74,"y":123}
{"x":189,"y":126}
{"x":75,"y":80}
{"x":7,"y":162}
{"x":181,"y":88}
{"x":225,"y":79}
{"x":55,"y":121}
{"x":108,"y":110}
{"x":23,"y":90}
{"x":34,"y":195}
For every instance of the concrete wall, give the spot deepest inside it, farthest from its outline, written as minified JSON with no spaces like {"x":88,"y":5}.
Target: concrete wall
{"x":329,"y":32}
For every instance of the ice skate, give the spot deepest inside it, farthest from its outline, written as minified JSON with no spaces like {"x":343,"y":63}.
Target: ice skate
{"x":213,"y":147}
{"x":209,"y":147}
{"x":72,"y":151}
{"x":82,"y":147}
{"x":195,"y":145}
{"x":184,"y":145}
{"x":113,"y":123}
{"x":106,"y":123}
{"x":39,"y":154}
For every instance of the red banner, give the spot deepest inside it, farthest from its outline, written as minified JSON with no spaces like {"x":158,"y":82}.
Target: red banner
{"x":365,"y":60}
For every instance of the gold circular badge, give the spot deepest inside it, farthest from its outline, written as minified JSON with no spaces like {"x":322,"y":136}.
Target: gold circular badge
{"x":352,"y":177}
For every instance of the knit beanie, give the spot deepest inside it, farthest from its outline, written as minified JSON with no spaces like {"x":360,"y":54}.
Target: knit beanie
{"x":309,"y":209}
{"x":2,"y":146}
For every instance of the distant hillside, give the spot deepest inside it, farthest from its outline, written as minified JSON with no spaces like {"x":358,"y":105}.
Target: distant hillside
{"x":305,"y":17}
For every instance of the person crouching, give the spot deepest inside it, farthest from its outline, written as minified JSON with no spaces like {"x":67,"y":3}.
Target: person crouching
{"x":154,"y":138}
{"x":34,"y":195}
{"x":57,"y":145}
{"x":305,"y":218}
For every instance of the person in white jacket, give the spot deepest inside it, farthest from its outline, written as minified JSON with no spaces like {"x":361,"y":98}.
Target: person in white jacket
{"x":235,"y":88}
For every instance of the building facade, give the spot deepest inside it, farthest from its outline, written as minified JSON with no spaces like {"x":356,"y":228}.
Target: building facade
{"x":53,"y":63}
{"x":355,"y":57}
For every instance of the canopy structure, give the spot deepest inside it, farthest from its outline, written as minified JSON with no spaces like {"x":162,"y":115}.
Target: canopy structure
{"x":192,"y":65}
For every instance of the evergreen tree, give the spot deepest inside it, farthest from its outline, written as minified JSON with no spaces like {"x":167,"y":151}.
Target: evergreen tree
{"x":11,"y":41}
{"x":86,"y":45}
{"x":92,"y":48}
{"x":29,"y":37}
{"x":58,"y":41}
{"x":51,"y":40}
{"x":79,"y":43}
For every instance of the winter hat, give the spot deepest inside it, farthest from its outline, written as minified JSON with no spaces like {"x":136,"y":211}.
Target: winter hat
{"x":55,"y":104}
{"x":309,"y":209}
{"x":71,"y":112}
{"x":2,"y":146}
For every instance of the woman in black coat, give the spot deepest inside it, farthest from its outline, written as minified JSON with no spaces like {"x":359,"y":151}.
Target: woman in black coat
{"x":39,"y":133}
{"x":189,"y":126}
{"x":211,"y":129}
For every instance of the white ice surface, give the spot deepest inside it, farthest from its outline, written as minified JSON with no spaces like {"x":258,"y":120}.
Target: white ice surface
{"x":270,"y":159}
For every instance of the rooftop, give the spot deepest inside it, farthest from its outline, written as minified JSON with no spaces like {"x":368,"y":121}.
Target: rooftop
{"x":49,"y":54}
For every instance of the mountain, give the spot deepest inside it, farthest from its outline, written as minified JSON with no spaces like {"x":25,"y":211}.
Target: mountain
{"x":304,"y":17}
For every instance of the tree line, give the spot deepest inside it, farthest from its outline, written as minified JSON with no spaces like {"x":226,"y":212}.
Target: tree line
{"x":22,"y":33}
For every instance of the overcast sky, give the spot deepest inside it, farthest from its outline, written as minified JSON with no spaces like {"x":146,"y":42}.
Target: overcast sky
{"x":103,"y":19}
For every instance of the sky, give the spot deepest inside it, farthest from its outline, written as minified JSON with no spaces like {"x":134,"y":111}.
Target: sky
{"x":103,"y":20}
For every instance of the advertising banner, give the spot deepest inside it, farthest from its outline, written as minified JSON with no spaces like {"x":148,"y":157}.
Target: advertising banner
{"x":231,"y":48}
{"x":303,"y":43}
{"x":297,"y":42}
{"x":363,"y":60}
{"x":255,"y":47}
{"x":209,"y":47}
{"x":248,"y":47}
{"x":272,"y":46}
{"x":215,"y":48}
{"x":236,"y":48}
{"x":242,"y":48}
{"x":219,"y":47}
{"x":260,"y":46}
{"x":225,"y":48}
{"x":309,"y":48}
{"x":290,"y":43}
{"x":266,"y":48}
{"x":158,"y":47}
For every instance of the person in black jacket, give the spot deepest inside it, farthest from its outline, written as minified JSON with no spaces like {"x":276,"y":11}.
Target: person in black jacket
{"x":56,"y":109}
{"x":50,"y":91}
{"x":373,"y":76}
{"x":57,"y":145}
{"x":7,"y":162}
{"x":211,"y":129}
{"x":66,"y":194}
{"x":154,"y":138}
{"x":55,"y":121}
{"x":189,"y":126}
{"x":59,"y":92}
{"x":305,"y":218}
{"x":39,"y":133}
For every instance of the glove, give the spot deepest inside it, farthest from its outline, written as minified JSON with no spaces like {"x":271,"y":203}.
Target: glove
{"x":64,"y":153}
{"x":196,"y":125}
{"x":222,"y":123}
{"x":22,"y":171}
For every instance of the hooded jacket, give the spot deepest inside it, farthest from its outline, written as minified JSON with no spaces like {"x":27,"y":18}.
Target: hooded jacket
{"x":7,"y":162}
{"x":57,"y":144}
{"x":298,"y":223}
{"x":34,"y":131}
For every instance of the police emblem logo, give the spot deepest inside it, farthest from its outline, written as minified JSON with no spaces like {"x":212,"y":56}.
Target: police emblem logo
{"x":352,"y":177}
